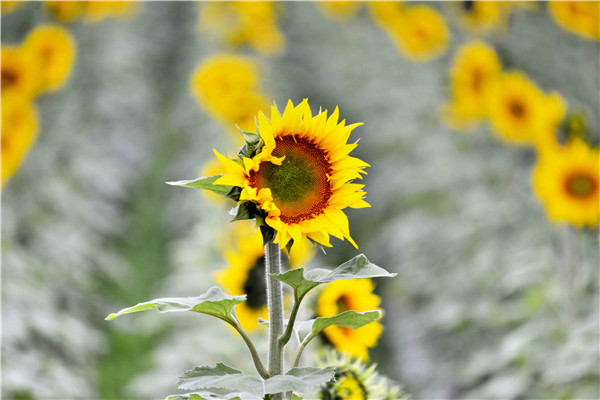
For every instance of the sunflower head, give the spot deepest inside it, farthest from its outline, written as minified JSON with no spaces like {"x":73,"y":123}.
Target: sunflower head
{"x":19,"y":131}
{"x":355,"y":380}
{"x":357,"y":295}
{"x":579,"y":17}
{"x":567,"y":181}
{"x":18,"y":72}
{"x":295,"y":175}
{"x":64,"y":11}
{"x":52,"y":50}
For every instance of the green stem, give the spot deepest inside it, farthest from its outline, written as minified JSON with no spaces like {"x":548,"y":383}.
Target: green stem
{"x":300,"y":349}
{"x":275,"y":305}
{"x":290,"y":327}
{"x":255,"y":358}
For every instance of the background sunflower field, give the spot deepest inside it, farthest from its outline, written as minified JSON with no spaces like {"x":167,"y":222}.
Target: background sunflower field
{"x":481,"y":126}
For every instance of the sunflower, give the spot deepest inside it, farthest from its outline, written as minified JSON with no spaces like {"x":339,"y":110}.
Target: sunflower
{"x":98,"y":10}
{"x":52,"y":50}
{"x":355,"y":380}
{"x":520,"y":113}
{"x":64,"y":11}
{"x":8,"y":6}
{"x":19,"y":131}
{"x":566,"y":179}
{"x":227,"y":86}
{"x":474,"y":69}
{"x":420,"y":33}
{"x":357,"y":295}
{"x":483,"y":16}
{"x":245,"y":271}
{"x":18,"y":73}
{"x":239,"y":23}
{"x":579,"y":17}
{"x":386,"y":13}
{"x":299,"y":177}
{"x":339,"y":10}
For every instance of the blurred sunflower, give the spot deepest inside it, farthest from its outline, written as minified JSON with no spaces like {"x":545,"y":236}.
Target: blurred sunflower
{"x":475,"y":67}
{"x":483,"y":16}
{"x":355,"y":380}
{"x":19,"y":131}
{"x":579,"y":17}
{"x":300,"y":176}
{"x":95,"y":11}
{"x":64,"y":11}
{"x":245,"y":271}
{"x":239,"y":22}
{"x":566,"y":179}
{"x":386,"y":13}
{"x":17,"y":72}
{"x":8,"y":6}
{"x":520,"y":113}
{"x":339,"y":10}
{"x":357,"y":295}
{"x":420,"y":33}
{"x":52,"y":50}
{"x":227,"y":86}
{"x":245,"y":274}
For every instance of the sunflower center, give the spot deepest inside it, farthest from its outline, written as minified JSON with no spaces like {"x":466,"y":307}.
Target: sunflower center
{"x":468,"y":5}
{"x":517,"y":109}
{"x":343,"y":304}
{"x":9,"y":78}
{"x":349,"y":387}
{"x":477,"y":80}
{"x":581,"y":185}
{"x":299,"y":186}
{"x":255,"y":285}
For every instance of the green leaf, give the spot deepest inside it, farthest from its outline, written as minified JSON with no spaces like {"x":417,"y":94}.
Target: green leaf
{"x":246,"y":210}
{"x":214,"y":302}
{"x":347,"y":319}
{"x":214,"y":395}
{"x":356,"y":268}
{"x":221,"y":376}
{"x":298,"y":379}
{"x":225,"y":378}
{"x":204,"y":183}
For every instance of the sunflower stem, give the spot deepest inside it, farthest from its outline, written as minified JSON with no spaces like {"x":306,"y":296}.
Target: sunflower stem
{"x":275,"y":304}
{"x":255,"y":357}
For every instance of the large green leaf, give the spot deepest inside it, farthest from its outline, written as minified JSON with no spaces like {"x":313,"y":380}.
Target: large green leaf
{"x":299,"y":379}
{"x":347,"y":319}
{"x":358,"y":267}
{"x":214,"y":395}
{"x":230,"y":379}
{"x":204,"y":183}
{"x":214,"y":302}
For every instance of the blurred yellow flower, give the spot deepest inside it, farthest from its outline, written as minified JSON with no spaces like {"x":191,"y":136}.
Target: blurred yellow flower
{"x":243,"y":22}
{"x":8,"y":6}
{"x":17,"y":72}
{"x":19,"y":131}
{"x":245,"y":271}
{"x":386,"y":13}
{"x":339,"y":10}
{"x":65,"y":11}
{"x":95,"y":11}
{"x":419,"y":32}
{"x":483,"y":16}
{"x":227,"y":86}
{"x":52,"y":50}
{"x":474,"y":69}
{"x":350,"y":388}
{"x":357,"y":295}
{"x":245,"y":274}
{"x":520,"y":113}
{"x":579,"y":17}
{"x":566,"y":179}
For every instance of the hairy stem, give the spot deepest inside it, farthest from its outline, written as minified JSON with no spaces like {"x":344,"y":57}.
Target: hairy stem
{"x":275,"y":304}
{"x":255,"y":358}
